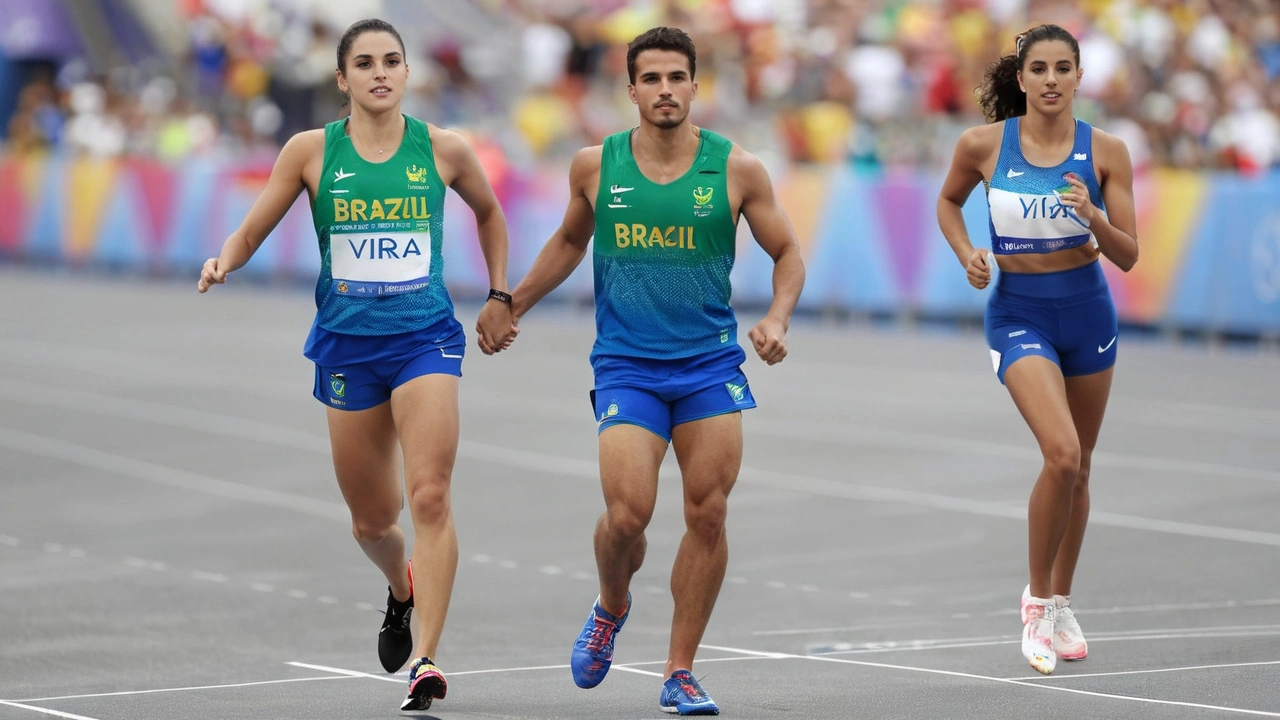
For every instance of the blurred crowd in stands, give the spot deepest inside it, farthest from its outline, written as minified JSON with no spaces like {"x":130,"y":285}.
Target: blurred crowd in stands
{"x":874,"y":83}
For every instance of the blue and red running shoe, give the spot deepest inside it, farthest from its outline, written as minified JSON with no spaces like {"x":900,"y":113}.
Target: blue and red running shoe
{"x":682,"y":694}
{"x":593,"y":652}
{"x":426,"y":683}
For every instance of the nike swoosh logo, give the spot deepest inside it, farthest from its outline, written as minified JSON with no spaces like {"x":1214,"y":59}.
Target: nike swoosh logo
{"x":618,"y":206}
{"x":341,"y":175}
{"x":1014,"y":174}
{"x":451,"y":357}
{"x":615,"y":189}
{"x":1108,"y":347}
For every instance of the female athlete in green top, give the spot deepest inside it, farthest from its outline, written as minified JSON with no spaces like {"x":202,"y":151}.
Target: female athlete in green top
{"x":403,"y":320}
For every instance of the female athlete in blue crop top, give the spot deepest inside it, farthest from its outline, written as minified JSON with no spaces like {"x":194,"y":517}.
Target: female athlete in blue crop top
{"x":1060,"y":194}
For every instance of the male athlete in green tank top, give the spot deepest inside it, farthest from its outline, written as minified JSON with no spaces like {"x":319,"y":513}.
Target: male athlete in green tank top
{"x":663,"y":201}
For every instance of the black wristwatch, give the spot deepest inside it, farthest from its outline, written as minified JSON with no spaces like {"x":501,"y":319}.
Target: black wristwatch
{"x":499,"y":296}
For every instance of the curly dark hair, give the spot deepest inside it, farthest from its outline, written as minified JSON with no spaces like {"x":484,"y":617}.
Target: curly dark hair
{"x":1001,"y":97}
{"x":661,"y":38}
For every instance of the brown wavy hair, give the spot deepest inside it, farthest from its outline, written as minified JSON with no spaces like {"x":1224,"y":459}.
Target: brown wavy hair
{"x":1001,"y":97}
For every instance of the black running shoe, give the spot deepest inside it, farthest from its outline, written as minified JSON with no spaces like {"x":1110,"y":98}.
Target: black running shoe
{"x":395,"y":640}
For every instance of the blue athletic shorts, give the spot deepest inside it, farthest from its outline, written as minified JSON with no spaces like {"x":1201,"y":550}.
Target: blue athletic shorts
{"x":357,"y":372}
{"x":1065,"y":316}
{"x":660,"y":394}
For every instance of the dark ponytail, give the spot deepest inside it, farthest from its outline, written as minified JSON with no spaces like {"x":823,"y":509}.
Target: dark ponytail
{"x":1002,"y":98}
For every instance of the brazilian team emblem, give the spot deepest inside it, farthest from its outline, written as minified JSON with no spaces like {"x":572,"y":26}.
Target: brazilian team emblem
{"x":416,"y":174}
{"x":342,"y":286}
{"x":702,"y":201}
{"x":338,"y":384}
{"x":737,"y":392}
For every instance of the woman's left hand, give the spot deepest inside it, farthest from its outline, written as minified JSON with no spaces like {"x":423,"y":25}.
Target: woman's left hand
{"x":1077,"y":198}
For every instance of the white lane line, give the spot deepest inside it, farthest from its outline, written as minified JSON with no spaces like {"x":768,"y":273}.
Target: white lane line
{"x":750,"y":653}
{"x":122,"y":693}
{"x":992,"y":640}
{"x":649,"y":673}
{"x":1146,"y":672}
{"x":348,"y":673}
{"x":1041,"y":686}
{"x":46,"y":711}
{"x":515,"y":669}
{"x":229,"y":426}
{"x":404,"y":678}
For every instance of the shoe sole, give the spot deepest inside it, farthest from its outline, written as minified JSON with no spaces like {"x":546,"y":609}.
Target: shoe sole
{"x":1041,"y":665}
{"x":423,"y":692}
{"x":713,"y":710}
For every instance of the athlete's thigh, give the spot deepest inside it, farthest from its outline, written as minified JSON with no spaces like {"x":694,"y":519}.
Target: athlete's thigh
{"x":365,"y":461}
{"x":1090,"y":330}
{"x":1087,"y":397}
{"x":1038,"y":390}
{"x":630,"y":458}
{"x":425,"y":410}
{"x":710,"y":454}
{"x":1017,"y":328}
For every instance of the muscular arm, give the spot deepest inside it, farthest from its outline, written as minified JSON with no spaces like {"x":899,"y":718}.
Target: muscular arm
{"x":286,"y":182}
{"x":772,"y":231}
{"x":568,"y":244}
{"x":972,"y":151}
{"x":1117,"y":231}
{"x":471,"y":184}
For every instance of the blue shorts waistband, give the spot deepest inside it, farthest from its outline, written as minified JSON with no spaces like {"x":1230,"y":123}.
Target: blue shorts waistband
{"x":1062,"y":283}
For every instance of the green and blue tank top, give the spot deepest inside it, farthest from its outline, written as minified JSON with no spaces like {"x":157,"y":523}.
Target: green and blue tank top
{"x":663,"y":254}
{"x":380,"y":228}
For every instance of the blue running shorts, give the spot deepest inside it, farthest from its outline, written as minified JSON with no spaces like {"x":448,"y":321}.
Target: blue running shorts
{"x":658,"y":395}
{"x":357,"y":372}
{"x":1067,"y":317}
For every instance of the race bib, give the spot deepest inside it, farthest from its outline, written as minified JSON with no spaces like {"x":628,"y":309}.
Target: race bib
{"x":380,"y":262}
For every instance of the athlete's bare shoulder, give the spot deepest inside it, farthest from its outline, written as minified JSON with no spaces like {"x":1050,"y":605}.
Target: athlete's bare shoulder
{"x":589,"y":158}
{"x":980,"y":141}
{"x":447,"y":142}
{"x":1108,"y":144}
{"x":584,"y":171}
{"x":305,"y":143}
{"x":742,"y":164}
{"x":1111,"y":156}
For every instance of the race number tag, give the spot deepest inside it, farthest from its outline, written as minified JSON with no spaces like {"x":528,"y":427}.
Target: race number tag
{"x":380,"y":262}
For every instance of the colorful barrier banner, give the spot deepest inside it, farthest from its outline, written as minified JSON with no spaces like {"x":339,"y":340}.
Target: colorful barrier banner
{"x":1209,"y":261}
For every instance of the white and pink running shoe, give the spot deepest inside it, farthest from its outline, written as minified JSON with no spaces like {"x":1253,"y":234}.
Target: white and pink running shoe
{"x":1038,"y":632}
{"x":1068,"y":638}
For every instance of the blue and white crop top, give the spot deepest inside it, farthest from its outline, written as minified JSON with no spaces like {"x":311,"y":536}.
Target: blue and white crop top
{"x":1026,"y":214}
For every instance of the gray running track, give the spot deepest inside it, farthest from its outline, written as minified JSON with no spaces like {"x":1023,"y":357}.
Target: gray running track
{"x":172,"y":542}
